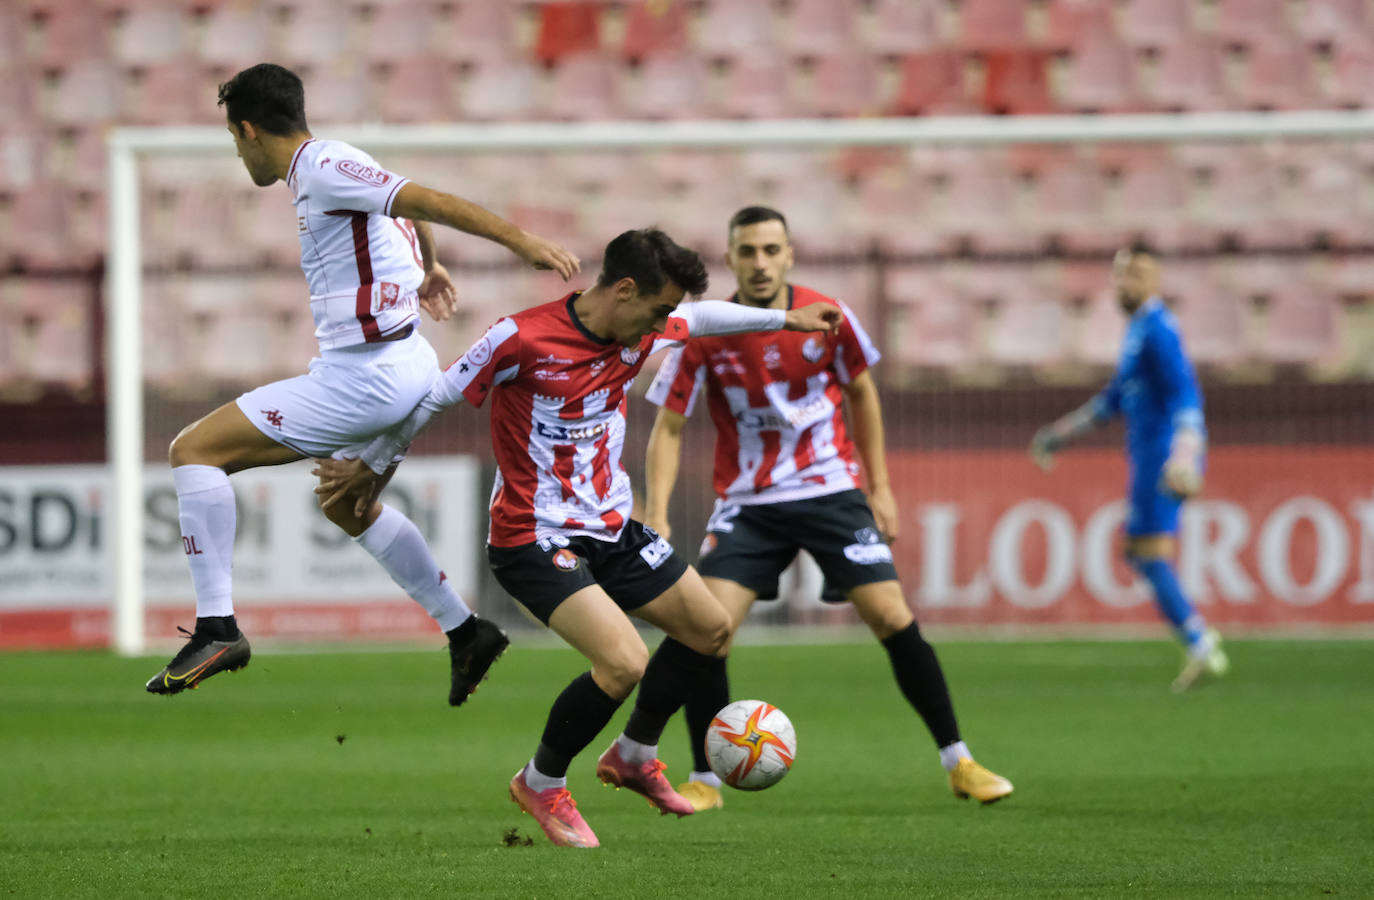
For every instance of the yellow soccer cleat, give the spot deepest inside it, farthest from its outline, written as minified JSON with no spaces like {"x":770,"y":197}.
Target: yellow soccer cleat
{"x":968,"y":779}
{"x":701,"y":795}
{"x":1208,"y":664}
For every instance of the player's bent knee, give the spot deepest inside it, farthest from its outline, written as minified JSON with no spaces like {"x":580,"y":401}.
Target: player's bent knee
{"x":618,"y":672}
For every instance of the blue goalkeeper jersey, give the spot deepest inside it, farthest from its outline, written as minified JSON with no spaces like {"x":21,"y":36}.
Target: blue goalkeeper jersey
{"x":1154,"y":388}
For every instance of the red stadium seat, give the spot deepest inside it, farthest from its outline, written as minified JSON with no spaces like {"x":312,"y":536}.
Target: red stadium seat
{"x":584,"y":87}
{"x":1028,"y":328}
{"x":757,"y":89}
{"x":1247,"y":22}
{"x":894,"y":204}
{"x":932,"y":83}
{"x":22,"y":159}
{"x":1071,"y":21}
{"x":1187,"y":76}
{"x":480,"y":33}
{"x":900,"y":27}
{"x":1151,"y":24}
{"x":1332,"y":21}
{"x":1153,"y":201}
{"x":1212,"y":318}
{"x":152,"y":33}
{"x":500,"y":90}
{"x":992,"y":25}
{"x":738,"y":30}
{"x":40,"y":241}
{"x":1099,"y":329}
{"x":235,"y":36}
{"x":179,"y":92}
{"x":69,"y":33}
{"x":1098,"y":76}
{"x":1071,"y":206}
{"x":60,"y":348}
{"x":317,"y":34}
{"x":1017,"y":82}
{"x":1352,"y":71}
{"x":1303,"y":326}
{"x":820,"y":27}
{"x":930,"y":325}
{"x":340,"y":92}
{"x":402,"y":30}
{"x":1278,"y":75}
{"x":652,"y":28}
{"x":567,"y":29}
{"x":88,"y":93}
{"x":669,"y":87}
{"x":978,"y":207}
{"x":415,"y":89}
{"x":843,"y":84}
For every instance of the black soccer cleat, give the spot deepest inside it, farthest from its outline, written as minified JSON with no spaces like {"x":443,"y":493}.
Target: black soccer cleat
{"x":204,"y":655}
{"x":470,"y":659}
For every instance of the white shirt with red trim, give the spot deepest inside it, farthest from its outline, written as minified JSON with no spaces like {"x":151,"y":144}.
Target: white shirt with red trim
{"x":558,"y":420}
{"x":776,"y":402}
{"x":363,"y":266}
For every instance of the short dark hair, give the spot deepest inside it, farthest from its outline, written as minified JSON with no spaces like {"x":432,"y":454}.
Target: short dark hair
{"x":652,"y":258}
{"x":752,"y":215}
{"x":269,"y":96}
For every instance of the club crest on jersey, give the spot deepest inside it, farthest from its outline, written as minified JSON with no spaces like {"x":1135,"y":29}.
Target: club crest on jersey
{"x":480,"y":353}
{"x":772,"y":356}
{"x":363,"y":173}
{"x":629,"y":355}
{"x":813,"y":349}
{"x":566,"y":560}
{"x":388,"y":296}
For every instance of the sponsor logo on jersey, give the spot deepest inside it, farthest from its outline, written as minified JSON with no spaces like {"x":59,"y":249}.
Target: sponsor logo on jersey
{"x":813,"y":349}
{"x":273,"y":417}
{"x":566,"y":560}
{"x":629,"y":355}
{"x":550,"y":375}
{"x":559,"y":432}
{"x":727,"y":362}
{"x":362,"y":173}
{"x":772,"y":356}
{"x":554,"y":360}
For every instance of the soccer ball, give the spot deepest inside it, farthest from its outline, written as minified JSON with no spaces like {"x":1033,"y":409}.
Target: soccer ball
{"x":751,"y":745}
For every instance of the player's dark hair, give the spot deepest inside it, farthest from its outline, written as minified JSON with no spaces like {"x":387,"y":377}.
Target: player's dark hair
{"x":753,"y":215}
{"x":269,"y":96}
{"x":652,"y":258}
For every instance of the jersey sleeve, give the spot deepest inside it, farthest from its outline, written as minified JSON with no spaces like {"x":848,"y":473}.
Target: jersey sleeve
{"x":679,"y":379}
{"x":856,"y":351}
{"x":353,"y":183}
{"x":492,"y":360}
{"x":1171,"y":373}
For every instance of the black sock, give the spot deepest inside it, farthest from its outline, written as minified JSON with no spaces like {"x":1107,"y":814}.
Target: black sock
{"x":709,"y":697}
{"x":672,"y":674}
{"x":218,"y":628}
{"x":923,"y":682}
{"x":462,"y":633}
{"x":577,"y":717}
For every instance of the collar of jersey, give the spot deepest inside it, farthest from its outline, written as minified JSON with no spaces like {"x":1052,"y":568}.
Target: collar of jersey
{"x":734,"y":298}
{"x":572,"y":314}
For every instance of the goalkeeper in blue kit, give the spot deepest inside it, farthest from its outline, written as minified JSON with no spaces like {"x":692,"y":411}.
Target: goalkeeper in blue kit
{"x":1156,"y":391}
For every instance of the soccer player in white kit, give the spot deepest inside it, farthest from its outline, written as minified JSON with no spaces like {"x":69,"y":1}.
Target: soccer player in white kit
{"x":368,"y":256}
{"x":562,"y":541}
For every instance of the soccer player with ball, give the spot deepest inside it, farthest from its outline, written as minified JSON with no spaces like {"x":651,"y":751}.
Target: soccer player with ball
{"x":561,"y":541}
{"x":1156,"y":391}
{"x":785,"y":479}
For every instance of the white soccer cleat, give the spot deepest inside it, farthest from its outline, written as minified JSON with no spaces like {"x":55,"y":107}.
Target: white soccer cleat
{"x":1203,"y":664}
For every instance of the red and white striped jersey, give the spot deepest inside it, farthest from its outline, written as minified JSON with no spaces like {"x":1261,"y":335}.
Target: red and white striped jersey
{"x":776,"y":402}
{"x":557,"y":422}
{"x":363,"y":266}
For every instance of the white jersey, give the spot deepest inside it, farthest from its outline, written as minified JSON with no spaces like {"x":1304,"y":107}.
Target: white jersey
{"x":363,"y":266}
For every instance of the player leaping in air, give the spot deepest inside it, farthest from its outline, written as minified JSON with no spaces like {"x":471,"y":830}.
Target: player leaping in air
{"x":1155,"y":390}
{"x":368,"y":257}
{"x":785,"y":478}
{"x":562,"y":541}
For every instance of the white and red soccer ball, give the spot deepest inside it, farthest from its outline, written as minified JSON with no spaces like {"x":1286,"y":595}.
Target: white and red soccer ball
{"x":751,"y":744}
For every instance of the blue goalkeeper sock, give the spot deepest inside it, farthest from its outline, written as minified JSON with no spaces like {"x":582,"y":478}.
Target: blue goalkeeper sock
{"x":1170,"y":599}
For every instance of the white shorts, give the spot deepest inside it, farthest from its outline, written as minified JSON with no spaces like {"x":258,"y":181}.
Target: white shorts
{"x":350,"y":395}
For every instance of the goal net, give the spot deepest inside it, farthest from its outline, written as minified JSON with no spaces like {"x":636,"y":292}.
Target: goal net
{"x":975,"y":252}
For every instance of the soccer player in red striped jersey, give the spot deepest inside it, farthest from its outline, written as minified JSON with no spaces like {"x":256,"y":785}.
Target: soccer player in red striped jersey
{"x":786,"y":480}
{"x":368,"y":258}
{"x":562,"y":542}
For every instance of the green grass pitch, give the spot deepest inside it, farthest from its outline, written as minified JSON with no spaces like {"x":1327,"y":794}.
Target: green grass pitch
{"x":347,"y":775}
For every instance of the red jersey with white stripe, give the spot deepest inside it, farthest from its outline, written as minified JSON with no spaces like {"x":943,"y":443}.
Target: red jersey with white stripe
{"x":776,"y":402}
{"x":557,"y":421}
{"x":363,"y":266}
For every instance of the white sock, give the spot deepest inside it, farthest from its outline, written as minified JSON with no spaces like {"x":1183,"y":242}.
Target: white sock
{"x":538,"y":781}
{"x":635,"y":753}
{"x":950,"y":755}
{"x":395,"y":542}
{"x":710,"y":778}
{"x":205,"y":502}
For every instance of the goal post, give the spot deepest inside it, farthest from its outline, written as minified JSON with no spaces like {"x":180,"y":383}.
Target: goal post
{"x":127,"y":147}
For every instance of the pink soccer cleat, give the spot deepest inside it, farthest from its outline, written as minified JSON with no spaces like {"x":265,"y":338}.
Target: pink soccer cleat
{"x":555,"y":812}
{"x":646,"y":778}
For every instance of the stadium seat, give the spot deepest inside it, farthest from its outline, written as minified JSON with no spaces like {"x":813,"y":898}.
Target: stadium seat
{"x":1071,"y":206}
{"x":900,"y":27}
{"x":234,"y":36}
{"x":756,"y":89}
{"x":1326,"y":199}
{"x":415,"y":89}
{"x":60,"y":347}
{"x":1302,"y":326}
{"x":178,"y":92}
{"x":237,"y":345}
{"x":1097,"y":76}
{"x":653,"y":28}
{"x":1246,"y":22}
{"x":979,"y":207}
{"x":896,"y":213}
{"x":22,"y":158}
{"x":1212,"y":318}
{"x":1238,"y":198}
{"x":668,"y":87}
{"x":567,"y":29}
{"x":820,"y":27}
{"x":401,"y":30}
{"x":584,"y":87}
{"x":316,"y":34}
{"x":1016,"y":82}
{"x":1278,"y":75}
{"x":480,"y":33}
{"x":738,"y":30}
{"x":1027,"y":328}
{"x":339,"y":92}
{"x":69,"y":34}
{"x":1069,"y":22}
{"x":932,"y":83}
{"x":164,"y":346}
{"x":37,"y":227}
{"x":266,"y":230}
{"x":500,"y":91}
{"x":13,"y":34}
{"x":1188,"y":76}
{"x":841,"y":85}
{"x":1099,"y":329}
{"x":88,"y":93}
{"x":1152,"y":24}
{"x":1351,"y":71}
{"x":991,"y":25}
{"x":1331,"y":21}
{"x":930,"y":325}
{"x":152,"y":33}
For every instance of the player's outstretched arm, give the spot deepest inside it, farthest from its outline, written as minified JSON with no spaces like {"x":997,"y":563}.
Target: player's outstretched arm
{"x":1052,"y":438}
{"x":661,"y":464}
{"x":814,"y":317}
{"x":871,"y":442}
{"x":415,"y":201}
{"x":438,"y":296}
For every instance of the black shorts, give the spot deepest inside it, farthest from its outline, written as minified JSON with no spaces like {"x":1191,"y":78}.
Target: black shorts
{"x":633,"y":570}
{"x":752,"y":544}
